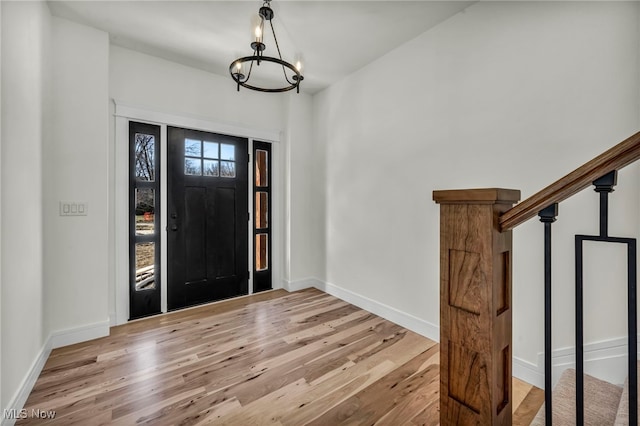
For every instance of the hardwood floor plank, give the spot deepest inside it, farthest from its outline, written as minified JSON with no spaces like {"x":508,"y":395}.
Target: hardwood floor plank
{"x":520,"y":391}
{"x":528,"y":408}
{"x":427,"y":393}
{"x":274,"y":358}
{"x":328,"y":393}
{"x":150,"y":413}
{"x":374,"y":402}
{"x":212,"y":414}
{"x":263,"y":383}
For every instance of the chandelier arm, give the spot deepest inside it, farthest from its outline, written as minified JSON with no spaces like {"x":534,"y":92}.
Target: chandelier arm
{"x":284,"y":72}
{"x":285,"y":76}
{"x":276,"y":39}
{"x":250,"y":68}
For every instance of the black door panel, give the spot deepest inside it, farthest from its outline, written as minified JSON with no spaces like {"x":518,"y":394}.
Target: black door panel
{"x":207,"y":228}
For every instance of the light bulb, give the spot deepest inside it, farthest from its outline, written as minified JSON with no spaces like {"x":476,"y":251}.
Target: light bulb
{"x":258,"y":34}
{"x":299,"y":66}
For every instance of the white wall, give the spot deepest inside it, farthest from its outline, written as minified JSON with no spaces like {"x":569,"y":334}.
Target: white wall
{"x":147,"y":81}
{"x":303,"y":202}
{"x":504,"y":94}
{"x":1,"y":400}
{"x":75,"y":169}
{"x":25,"y":31}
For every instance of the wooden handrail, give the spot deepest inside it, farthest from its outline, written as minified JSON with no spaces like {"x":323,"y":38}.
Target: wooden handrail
{"x":476,"y":253}
{"x":619,"y":156}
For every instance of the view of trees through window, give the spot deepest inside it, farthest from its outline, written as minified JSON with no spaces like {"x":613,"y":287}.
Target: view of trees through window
{"x":145,"y":166}
{"x":144,"y":155}
{"x":204,"y":158}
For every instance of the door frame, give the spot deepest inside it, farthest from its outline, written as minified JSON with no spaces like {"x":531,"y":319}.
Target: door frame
{"x":123,"y":114}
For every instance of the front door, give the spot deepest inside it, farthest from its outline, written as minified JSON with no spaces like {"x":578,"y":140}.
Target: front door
{"x":207,"y":251}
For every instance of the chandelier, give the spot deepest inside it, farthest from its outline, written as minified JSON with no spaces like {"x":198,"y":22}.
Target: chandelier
{"x":292,"y":75}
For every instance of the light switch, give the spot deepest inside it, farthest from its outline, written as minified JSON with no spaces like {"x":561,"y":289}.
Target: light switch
{"x":74,"y":208}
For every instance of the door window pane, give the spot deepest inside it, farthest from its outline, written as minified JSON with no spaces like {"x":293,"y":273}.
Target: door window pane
{"x":262,"y":255}
{"x":210,"y":150}
{"x":145,"y":209}
{"x":227,"y":152}
{"x":192,"y":166}
{"x":211,"y":167}
{"x":144,"y":157}
{"x":192,"y":148}
{"x":228,"y":169}
{"x":262,"y":209}
{"x":261,"y":168}
{"x":145,"y":266}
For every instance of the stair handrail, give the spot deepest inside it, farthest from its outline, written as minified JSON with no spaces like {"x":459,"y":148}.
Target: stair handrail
{"x":476,"y":253}
{"x":621,"y":155}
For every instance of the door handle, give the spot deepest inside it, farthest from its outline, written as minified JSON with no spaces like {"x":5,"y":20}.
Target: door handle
{"x":174,"y":227}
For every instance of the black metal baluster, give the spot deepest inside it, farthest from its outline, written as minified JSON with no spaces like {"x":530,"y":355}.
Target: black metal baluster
{"x":547,"y":216}
{"x":632,"y":319}
{"x":579,"y":332}
{"x":604,"y":186}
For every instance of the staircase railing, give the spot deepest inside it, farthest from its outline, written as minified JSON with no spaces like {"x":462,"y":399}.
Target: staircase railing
{"x":475,"y":290}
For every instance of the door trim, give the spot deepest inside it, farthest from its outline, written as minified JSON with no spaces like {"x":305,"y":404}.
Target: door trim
{"x":118,"y":193}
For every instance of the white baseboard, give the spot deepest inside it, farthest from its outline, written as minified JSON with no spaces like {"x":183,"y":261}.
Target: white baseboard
{"x":387,"y":312}
{"x":528,"y":372}
{"x":606,"y":360}
{"x":20,"y":397}
{"x":301,"y":284}
{"x":79,"y":334}
{"x":55,"y":340}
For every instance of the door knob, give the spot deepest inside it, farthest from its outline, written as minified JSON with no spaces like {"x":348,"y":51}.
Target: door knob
{"x":174,"y":227}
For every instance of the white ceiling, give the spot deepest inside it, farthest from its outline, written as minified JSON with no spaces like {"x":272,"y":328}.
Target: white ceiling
{"x":334,"y":38}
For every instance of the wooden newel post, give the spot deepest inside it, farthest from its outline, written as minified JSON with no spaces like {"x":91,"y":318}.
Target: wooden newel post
{"x":475,"y":307}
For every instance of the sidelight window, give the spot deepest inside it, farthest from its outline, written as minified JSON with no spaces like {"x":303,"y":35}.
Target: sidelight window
{"x":144,"y":220}
{"x":262,"y":215}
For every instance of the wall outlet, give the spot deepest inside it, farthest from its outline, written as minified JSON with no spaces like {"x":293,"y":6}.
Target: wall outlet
{"x":74,"y":208}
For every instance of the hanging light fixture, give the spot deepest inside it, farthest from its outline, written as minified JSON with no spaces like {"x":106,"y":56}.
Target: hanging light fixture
{"x":292,"y":74}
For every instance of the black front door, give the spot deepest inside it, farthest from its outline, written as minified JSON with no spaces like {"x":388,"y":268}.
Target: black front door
{"x":206,"y":218}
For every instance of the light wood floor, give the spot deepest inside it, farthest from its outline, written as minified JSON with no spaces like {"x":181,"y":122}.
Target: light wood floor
{"x":274,"y":358}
